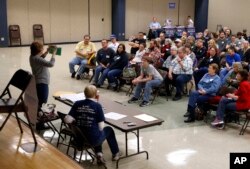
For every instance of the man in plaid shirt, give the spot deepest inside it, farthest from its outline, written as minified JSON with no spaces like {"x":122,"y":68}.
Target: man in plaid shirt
{"x":180,"y":72}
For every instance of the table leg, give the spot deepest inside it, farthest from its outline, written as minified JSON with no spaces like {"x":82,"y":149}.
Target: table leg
{"x":137,"y":134}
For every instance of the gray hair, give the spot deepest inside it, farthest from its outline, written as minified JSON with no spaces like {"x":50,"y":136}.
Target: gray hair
{"x":238,"y":65}
{"x":174,"y":48}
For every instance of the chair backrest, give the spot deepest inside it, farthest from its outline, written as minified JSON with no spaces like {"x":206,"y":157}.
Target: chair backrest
{"x":14,"y":31}
{"x":79,"y":138}
{"x":21,"y":79}
{"x":38,"y":31}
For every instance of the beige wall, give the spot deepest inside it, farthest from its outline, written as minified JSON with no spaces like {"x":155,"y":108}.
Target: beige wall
{"x":139,"y":13}
{"x":231,"y":13}
{"x":62,"y":20}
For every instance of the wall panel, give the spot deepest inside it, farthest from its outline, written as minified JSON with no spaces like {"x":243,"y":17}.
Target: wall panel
{"x":229,"y":13}
{"x":78,"y":19}
{"x":60,"y":20}
{"x":17,"y":11}
{"x":39,"y":13}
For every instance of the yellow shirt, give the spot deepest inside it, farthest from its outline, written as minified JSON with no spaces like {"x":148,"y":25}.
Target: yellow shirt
{"x":82,"y":48}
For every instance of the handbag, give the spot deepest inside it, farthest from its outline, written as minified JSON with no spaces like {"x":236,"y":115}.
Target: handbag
{"x":129,"y":72}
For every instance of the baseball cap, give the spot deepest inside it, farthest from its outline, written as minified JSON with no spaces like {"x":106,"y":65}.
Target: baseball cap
{"x":112,"y":36}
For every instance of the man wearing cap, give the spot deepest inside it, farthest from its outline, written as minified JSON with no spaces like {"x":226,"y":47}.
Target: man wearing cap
{"x":178,"y":43}
{"x":114,"y":44}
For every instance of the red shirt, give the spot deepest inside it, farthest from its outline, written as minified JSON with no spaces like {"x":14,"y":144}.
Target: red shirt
{"x":243,"y":92}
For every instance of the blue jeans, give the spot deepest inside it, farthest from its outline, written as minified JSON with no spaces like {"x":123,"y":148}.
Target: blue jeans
{"x":196,"y":98}
{"x":42,"y":93}
{"x":223,"y":74}
{"x":112,"y":76}
{"x":225,"y":105}
{"x":179,"y":81}
{"x":103,"y":77}
{"x":108,"y":134}
{"x":198,"y":74}
{"x":147,"y":89}
{"x":77,"y":61}
{"x":99,"y":69}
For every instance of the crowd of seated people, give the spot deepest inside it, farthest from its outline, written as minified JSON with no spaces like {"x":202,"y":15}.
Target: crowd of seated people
{"x":213,"y":60}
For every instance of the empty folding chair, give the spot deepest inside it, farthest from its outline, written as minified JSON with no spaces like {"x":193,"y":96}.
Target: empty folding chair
{"x":15,"y":35}
{"x":38,"y":33}
{"x":20,"y":80}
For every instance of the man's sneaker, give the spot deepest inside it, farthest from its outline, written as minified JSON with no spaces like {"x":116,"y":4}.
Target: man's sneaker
{"x":117,"y":156}
{"x":73,"y":75}
{"x":144,"y":103}
{"x":100,"y":159}
{"x":133,"y":100}
{"x":217,"y":122}
{"x":78,"y":77}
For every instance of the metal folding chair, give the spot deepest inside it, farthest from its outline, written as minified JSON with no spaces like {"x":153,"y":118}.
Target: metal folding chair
{"x":20,"y":80}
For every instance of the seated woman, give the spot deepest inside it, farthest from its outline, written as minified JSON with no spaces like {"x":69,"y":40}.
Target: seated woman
{"x":230,"y":79}
{"x":139,"y":54}
{"x":238,"y":101}
{"x":202,"y":68}
{"x":89,"y":117}
{"x":148,"y":79}
{"x":207,"y":88}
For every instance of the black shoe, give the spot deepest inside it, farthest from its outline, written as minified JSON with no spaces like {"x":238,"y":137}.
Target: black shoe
{"x":42,"y":126}
{"x":73,"y":75}
{"x":162,"y":94}
{"x":176,"y":98}
{"x":78,"y":77}
{"x":189,"y":120}
{"x":187,"y":114}
{"x":133,"y":100}
{"x":144,"y":104}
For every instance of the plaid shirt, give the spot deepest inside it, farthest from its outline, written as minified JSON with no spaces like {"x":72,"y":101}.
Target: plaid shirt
{"x":187,"y":66}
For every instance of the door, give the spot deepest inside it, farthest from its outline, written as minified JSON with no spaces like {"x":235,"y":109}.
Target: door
{"x":100,"y":19}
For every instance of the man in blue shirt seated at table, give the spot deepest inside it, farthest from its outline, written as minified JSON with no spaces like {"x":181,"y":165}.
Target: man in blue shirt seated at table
{"x":155,"y":27}
{"x":89,"y":117}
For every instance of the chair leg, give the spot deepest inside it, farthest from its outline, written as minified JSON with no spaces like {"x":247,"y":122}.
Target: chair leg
{"x":5,"y":121}
{"x":243,"y":126}
{"x":31,"y":129}
{"x":18,"y":122}
{"x":246,"y":125}
{"x":93,"y":74}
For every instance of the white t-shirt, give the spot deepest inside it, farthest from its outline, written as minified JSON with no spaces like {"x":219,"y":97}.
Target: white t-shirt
{"x":114,"y":46}
{"x":138,"y":56}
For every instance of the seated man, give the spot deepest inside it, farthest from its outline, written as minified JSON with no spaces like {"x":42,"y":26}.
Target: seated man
{"x":230,"y":59}
{"x":115,"y":69}
{"x":134,"y":43}
{"x":104,"y":58}
{"x":89,"y":117}
{"x":207,"y":88}
{"x":155,"y":27}
{"x":200,"y":50}
{"x":84,"y":50}
{"x":180,"y":72}
{"x":155,"y":53}
{"x":113,"y":44}
{"x":148,"y":79}
{"x":190,"y":22}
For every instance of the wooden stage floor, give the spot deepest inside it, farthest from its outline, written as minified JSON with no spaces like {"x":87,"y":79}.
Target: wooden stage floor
{"x":12,"y":155}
